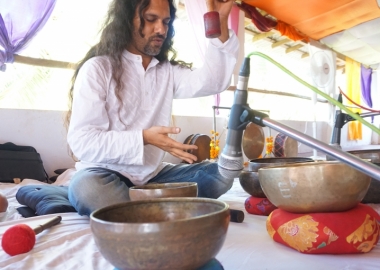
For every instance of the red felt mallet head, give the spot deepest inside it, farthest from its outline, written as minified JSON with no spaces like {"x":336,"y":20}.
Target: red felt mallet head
{"x":211,"y":21}
{"x":18,"y":239}
{"x":21,"y":238}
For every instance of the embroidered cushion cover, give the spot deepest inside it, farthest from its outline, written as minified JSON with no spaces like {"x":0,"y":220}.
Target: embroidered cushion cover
{"x":352,"y":231}
{"x":258,"y":206}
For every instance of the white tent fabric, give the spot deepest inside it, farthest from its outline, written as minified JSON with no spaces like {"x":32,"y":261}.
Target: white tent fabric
{"x":361,"y":43}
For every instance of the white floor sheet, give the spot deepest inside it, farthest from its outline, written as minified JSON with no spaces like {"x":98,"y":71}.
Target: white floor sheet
{"x":70,"y":244}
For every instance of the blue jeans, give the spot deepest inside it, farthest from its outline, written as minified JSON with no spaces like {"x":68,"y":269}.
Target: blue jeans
{"x":94,"y":188}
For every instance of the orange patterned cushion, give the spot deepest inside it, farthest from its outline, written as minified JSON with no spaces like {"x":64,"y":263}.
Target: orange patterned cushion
{"x":352,"y":231}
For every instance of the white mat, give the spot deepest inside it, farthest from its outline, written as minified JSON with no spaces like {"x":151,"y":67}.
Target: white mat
{"x":70,"y":245}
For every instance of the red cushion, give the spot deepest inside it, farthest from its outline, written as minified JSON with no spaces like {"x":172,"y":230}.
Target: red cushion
{"x":352,"y":231}
{"x":259,"y":206}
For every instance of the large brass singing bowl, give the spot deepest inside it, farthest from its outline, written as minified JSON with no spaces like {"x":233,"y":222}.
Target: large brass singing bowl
{"x":326,"y":186}
{"x":165,"y":233}
{"x":249,"y":179}
{"x":163,"y":190}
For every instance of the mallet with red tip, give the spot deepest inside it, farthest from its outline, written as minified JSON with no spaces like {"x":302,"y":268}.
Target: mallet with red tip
{"x":21,"y":238}
{"x":212,"y":20}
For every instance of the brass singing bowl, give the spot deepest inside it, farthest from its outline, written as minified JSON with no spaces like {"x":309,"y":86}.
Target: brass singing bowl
{"x":163,"y":190}
{"x":326,"y":186}
{"x":165,"y":233}
{"x":373,"y":155}
{"x":249,"y":179}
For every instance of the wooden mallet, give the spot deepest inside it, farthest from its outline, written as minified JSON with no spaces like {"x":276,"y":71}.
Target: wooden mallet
{"x":21,"y":238}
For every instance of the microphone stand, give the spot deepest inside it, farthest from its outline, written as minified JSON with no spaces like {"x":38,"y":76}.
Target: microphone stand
{"x":242,"y":114}
{"x":263,"y":120}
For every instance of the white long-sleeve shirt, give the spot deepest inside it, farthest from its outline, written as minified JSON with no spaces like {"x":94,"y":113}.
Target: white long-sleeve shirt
{"x":104,"y":134}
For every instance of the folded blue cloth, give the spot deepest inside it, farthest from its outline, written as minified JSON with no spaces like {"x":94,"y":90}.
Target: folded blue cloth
{"x":213,"y":264}
{"x":44,"y":199}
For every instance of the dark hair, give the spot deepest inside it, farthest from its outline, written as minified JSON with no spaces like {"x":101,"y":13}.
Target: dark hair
{"x":117,"y":33}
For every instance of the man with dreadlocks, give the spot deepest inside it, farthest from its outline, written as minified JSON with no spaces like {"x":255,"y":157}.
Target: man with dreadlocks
{"x":121,"y":102}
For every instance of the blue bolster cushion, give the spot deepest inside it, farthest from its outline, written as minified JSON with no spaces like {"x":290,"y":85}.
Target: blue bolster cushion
{"x":45,"y":199}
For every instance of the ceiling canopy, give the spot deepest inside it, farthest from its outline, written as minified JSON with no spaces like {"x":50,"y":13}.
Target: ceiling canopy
{"x":320,"y":18}
{"x":350,"y":27}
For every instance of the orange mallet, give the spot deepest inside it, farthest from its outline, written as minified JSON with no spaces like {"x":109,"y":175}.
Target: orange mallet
{"x":211,"y":20}
{"x":21,"y":238}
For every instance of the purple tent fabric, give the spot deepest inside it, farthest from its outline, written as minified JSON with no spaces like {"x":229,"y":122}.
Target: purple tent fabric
{"x":366,"y":77}
{"x":20,"y":20}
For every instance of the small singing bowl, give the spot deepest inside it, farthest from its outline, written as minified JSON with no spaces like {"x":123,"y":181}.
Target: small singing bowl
{"x":372,"y":154}
{"x":164,"y":190}
{"x":164,"y":233}
{"x":325,"y":186}
{"x":249,"y":179}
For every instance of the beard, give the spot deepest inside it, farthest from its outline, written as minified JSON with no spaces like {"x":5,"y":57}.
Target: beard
{"x":153,"y":50}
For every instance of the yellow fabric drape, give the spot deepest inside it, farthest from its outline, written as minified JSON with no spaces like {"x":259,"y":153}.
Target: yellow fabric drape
{"x":354,"y":93}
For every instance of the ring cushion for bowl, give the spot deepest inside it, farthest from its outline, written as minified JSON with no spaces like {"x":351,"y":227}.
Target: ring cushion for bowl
{"x":258,"y":206}
{"x":352,"y":231}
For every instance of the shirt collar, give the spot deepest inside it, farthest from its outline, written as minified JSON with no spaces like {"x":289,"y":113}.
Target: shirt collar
{"x":138,"y":59}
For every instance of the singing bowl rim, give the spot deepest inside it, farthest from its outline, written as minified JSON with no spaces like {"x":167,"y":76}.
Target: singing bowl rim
{"x":372,"y":154}
{"x":256,"y":164}
{"x":225,"y":207}
{"x":168,"y":186}
{"x":364,"y":151}
{"x":163,"y":190}
{"x":325,"y":163}
{"x":314,"y":190}
{"x":302,"y":164}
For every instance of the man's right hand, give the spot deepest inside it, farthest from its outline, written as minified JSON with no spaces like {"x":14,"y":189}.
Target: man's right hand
{"x":159,"y":137}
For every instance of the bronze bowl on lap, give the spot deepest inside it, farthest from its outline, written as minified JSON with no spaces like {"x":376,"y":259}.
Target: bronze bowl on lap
{"x":164,"y":233}
{"x":324,"y":186}
{"x":165,"y":190}
{"x":249,"y":179}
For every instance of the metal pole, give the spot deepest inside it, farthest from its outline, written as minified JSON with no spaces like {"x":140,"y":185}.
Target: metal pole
{"x":214,"y":124}
{"x":351,"y":160}
{"x":218,"y":107}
